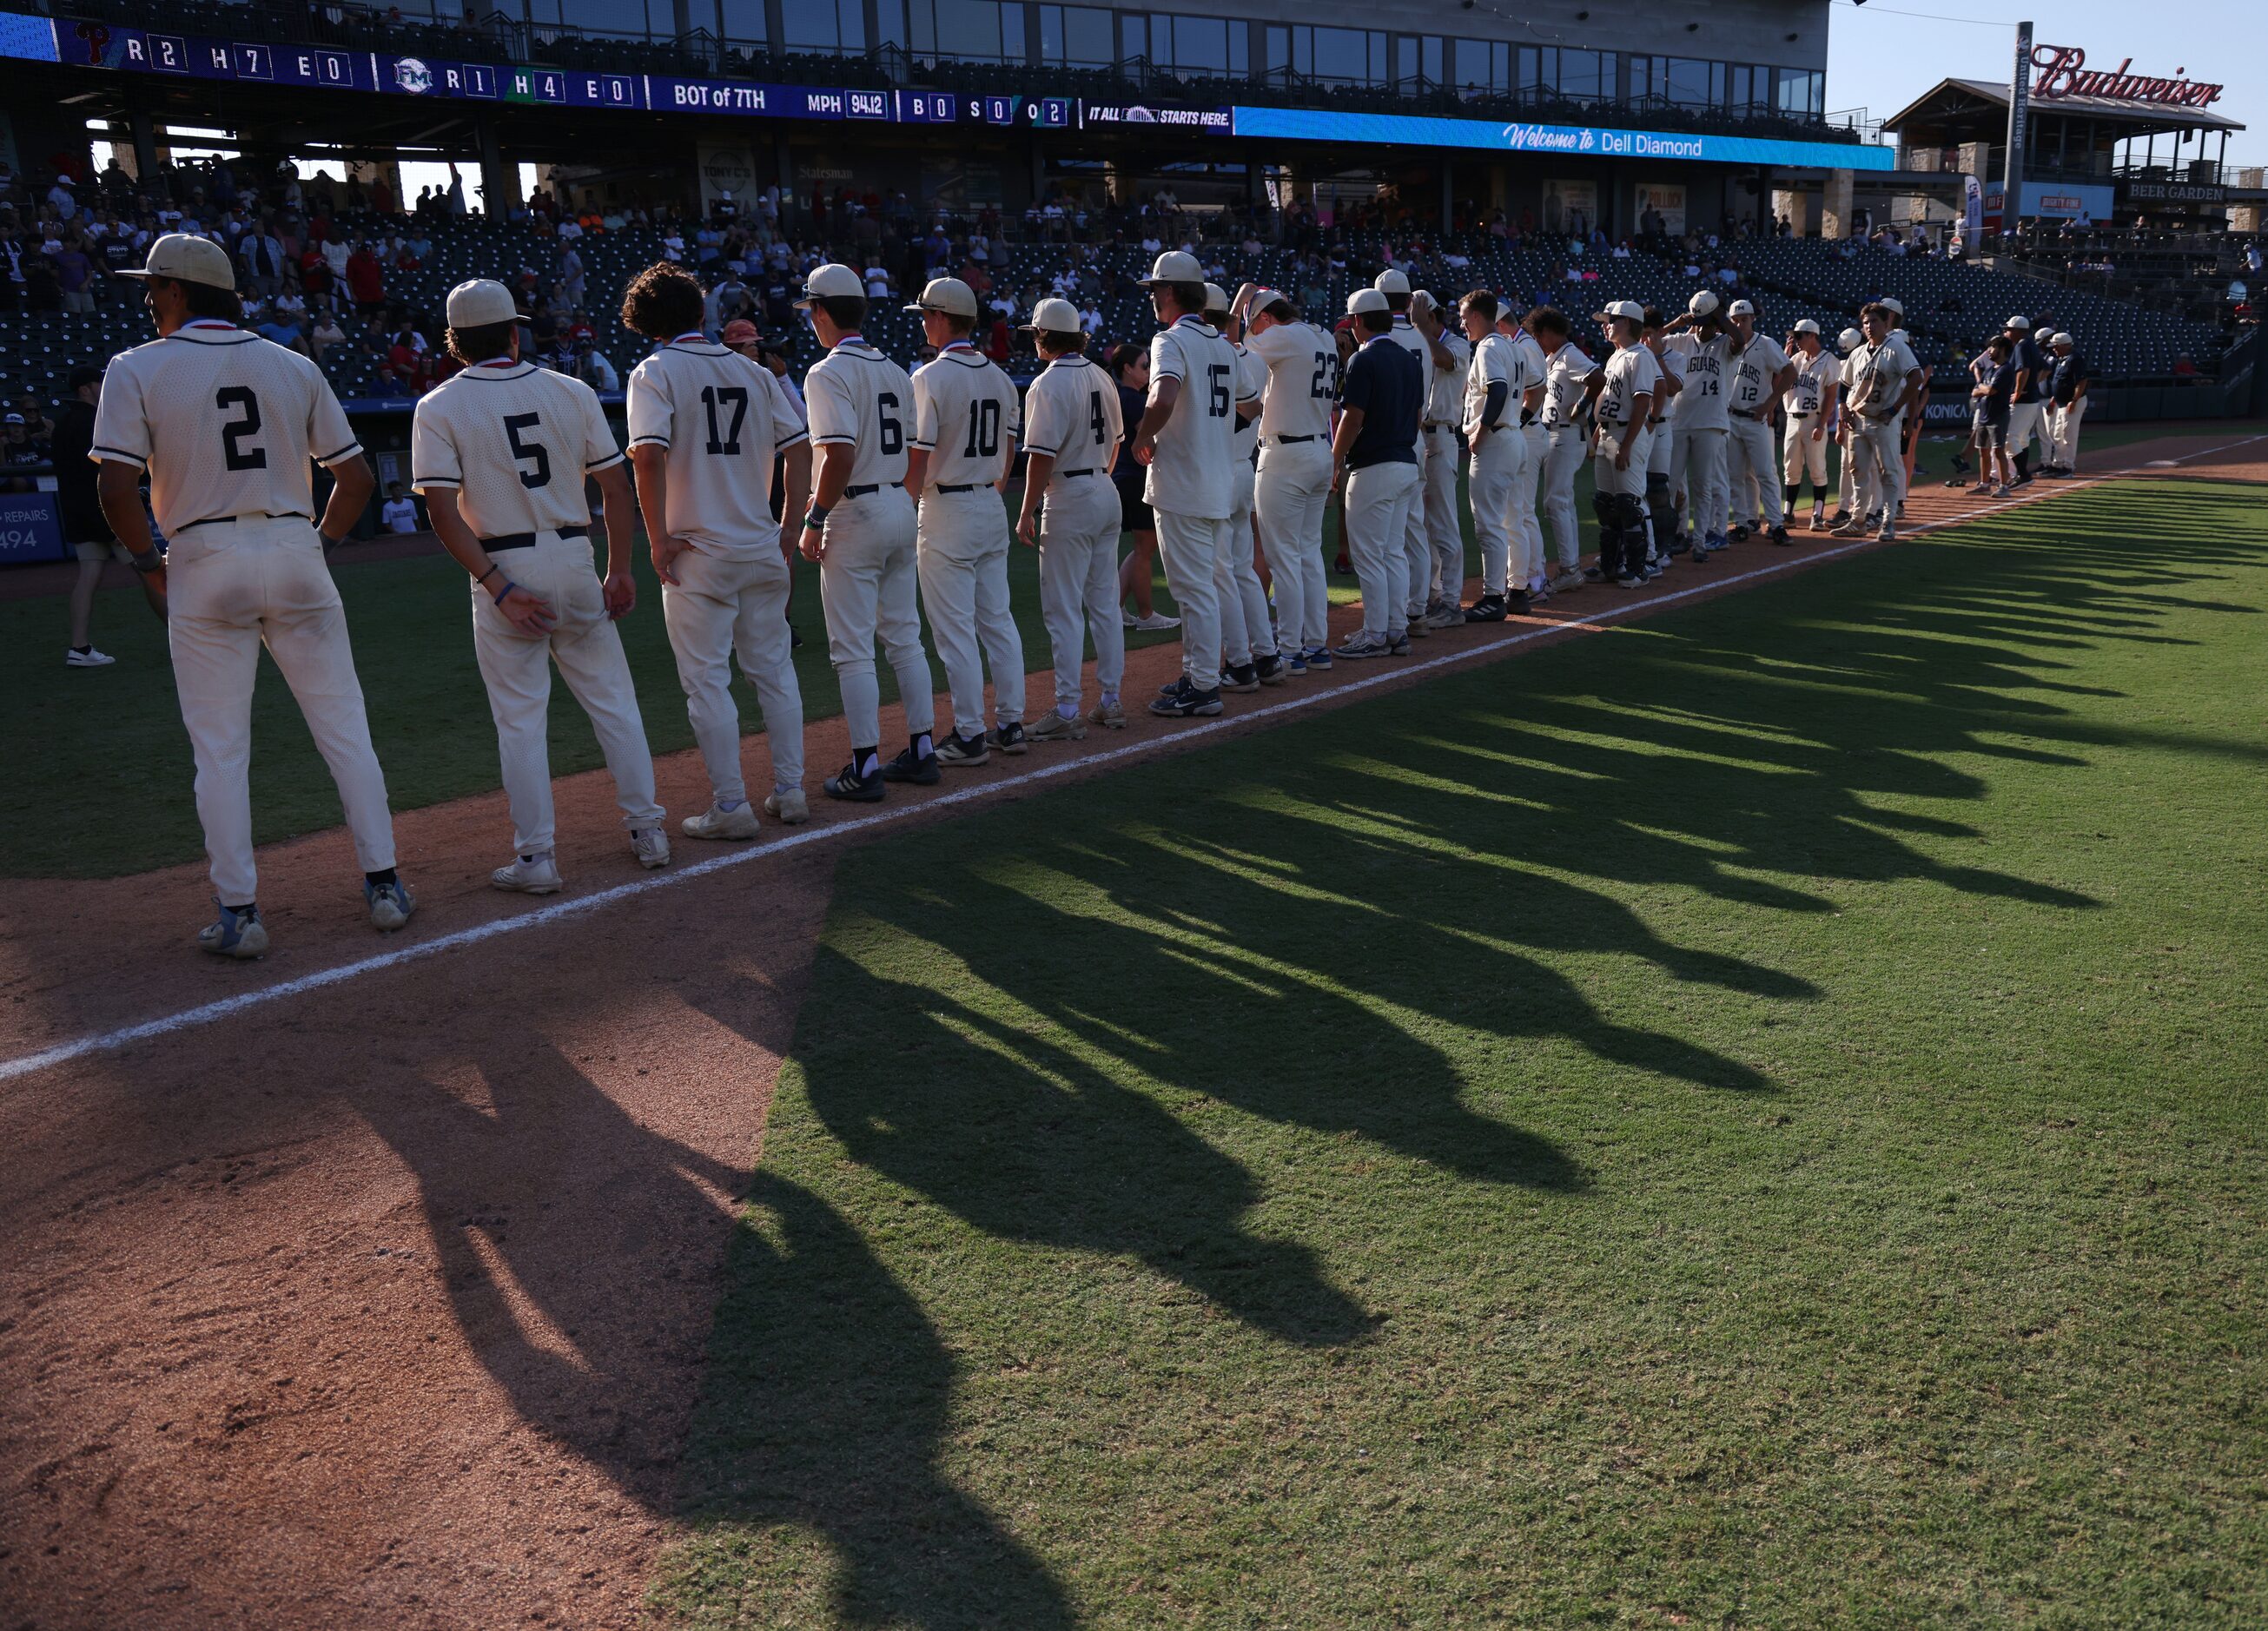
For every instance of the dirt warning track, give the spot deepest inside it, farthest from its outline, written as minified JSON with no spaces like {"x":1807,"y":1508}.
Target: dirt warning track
{"x":380,"y":1299}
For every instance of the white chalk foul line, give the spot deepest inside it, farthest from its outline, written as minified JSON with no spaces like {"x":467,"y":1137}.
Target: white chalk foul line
{"x":208,"y":1013}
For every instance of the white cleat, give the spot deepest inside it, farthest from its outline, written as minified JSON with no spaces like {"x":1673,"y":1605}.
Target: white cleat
{"x":73,"y":657}
{"x":528,"y":874}
{"x":788,"y":804}
{"x":715,"y":822}
{"x":651,"y":846}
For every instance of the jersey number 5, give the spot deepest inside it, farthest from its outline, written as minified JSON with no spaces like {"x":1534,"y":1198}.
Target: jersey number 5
{"x":525,"y":452}
{"x":237,"y":431}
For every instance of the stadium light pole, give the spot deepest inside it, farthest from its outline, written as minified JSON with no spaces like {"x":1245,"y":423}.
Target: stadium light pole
{"x":2020,"y":108}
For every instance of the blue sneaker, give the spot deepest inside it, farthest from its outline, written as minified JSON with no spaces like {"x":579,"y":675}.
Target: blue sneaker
{"x":390,"y":904}
{"x":236,"y":933}
{"x":1318,"y":657}
{"x":1296,"y":664}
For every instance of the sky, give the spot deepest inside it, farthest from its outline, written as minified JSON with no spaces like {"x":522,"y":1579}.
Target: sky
{"x":1881,"y":57}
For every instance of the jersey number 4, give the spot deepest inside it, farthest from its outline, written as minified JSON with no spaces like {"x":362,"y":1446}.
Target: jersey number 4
{"x":734,"y":400}
{"x":236,"y":432}
{"x":528,"y":452}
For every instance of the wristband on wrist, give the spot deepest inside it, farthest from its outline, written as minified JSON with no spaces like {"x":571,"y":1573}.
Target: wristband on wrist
{"x":148,"y":562}
{"x":329,"y":541}
{"x":493,"y":569}
{"x":508,"y":587}
{"x":815,"y":518}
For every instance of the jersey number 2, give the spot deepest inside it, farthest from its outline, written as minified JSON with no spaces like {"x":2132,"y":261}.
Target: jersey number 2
{"x":513,"y":424}
{"x":234,"y":434}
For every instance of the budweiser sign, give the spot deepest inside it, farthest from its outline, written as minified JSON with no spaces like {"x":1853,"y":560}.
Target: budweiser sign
{"x":2062,"y":71}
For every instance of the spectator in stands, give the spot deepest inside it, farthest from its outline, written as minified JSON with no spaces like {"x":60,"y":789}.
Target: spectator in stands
{"x":324,"y":333}
{"x":259,"y":261}
{"x":75,"y":273}
{"x":594,"y":370}
{"x":2184,"y":369}
{"x":281,"y":329}
{"x":388,"y":387}
{"x":18,"y":450}
{"x":63,"y":198}
{"x":399,"y":513}
{"x":365,"y":279}
{"x":41,"y":293}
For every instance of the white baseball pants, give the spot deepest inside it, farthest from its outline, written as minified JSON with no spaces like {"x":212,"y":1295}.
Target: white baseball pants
{"x":1079,"y":578}
{"x":1499,"y":466}
{"x":1802,"y":453}
{"x":1293,"y":485}
{"x":1882,"y":466}
{"x":963,"y":562}
{"x":1445,"y":577}
{"x":230,"y":587}
{"x":2063,"y":448}
{"x":1417,"y":547}
{"x":1245,"y":632}
{"x":1755,"y":473}
{"x":1697,"y":463}
{"x":2027,"y":424}
{"x":1527,"y":527}
{"x":866,"y":589}
{"x":717,"y":607}
{"x":517,"y":667}
{"x":1379,"y":500}
{"x":1191,"y":548}
{"x":1564,"y":450}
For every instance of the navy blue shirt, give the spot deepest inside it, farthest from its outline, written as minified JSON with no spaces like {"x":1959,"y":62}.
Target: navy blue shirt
{"x":2028,"y":355}
{"x":2065,"y":374}
{"x":1999,"y":384}
{"x":1383,"y":379}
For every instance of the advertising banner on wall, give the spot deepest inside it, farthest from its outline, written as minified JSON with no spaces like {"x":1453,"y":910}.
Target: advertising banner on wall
{"x":1569,"y":206}
{"x":1660,"y":207}
{"x":725,"y":168}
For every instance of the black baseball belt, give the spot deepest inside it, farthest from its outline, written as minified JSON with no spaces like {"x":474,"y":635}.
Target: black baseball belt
{"x":264,"y":515}
{"x":1291,"y":441}
{"x":862,"y":490}
{"x":1069,"y":474}
{"x":957,"y":487}
{"x":523,"y":540}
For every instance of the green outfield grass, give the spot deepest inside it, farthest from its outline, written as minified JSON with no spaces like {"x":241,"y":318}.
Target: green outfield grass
{"x":1751,"y":1118}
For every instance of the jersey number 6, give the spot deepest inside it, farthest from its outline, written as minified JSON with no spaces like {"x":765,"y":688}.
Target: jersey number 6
{"x":886,"y":421}
{"x":513,"y":424}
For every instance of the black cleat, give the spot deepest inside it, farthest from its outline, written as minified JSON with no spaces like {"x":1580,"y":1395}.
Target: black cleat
{"x":1186,"y":702}
{"x":1779,"y":536}
{"x":848,"y":783}
{"x":1009,"y":738}
{"x":921,"y":772}
{"x":1269,"y":669}
{"x":1240,"y":676}
{"x":1487,"y":609}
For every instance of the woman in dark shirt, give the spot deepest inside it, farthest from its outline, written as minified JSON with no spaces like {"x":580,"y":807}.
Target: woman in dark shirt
{"x":1129,"y":365}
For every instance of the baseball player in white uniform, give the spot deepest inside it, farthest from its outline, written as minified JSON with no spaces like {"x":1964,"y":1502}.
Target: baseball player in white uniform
{"x":1883,"y":377}
{"x":1808,"y":404}
{"x":1294,"y":479}
{"x":966,"y":421}
{"x":1759,"y":372}
{"x":704,"y":424}
{"x":1851,"y":498}
{"x":1417,"y":562}
{"x":1663,"y":545}
{"x":1698,"y":430}
{"x":1250,"y":658}
{"x":225,"y":423}
{"x":860,"y":530}
{"x":1496,"y":387}
{"x":1444,"y":585}
{"x":1072,"y":426}
{"x":500,"y":453}
{"x":1528,"y":563}
{"x":1567,"y":392}
{"x":1187,"y":440}
{"x":1623,"y":409}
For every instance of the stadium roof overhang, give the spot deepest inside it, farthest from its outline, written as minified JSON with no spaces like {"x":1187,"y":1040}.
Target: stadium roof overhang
{"x":1954,"y":111}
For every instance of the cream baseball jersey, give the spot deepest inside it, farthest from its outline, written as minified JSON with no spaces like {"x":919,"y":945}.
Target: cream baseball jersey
{"x":1495,"y":362}
{"x":1445,"y":388}
{"x":1532,"y":359}
{"x":1631,"y":372}
{"x":1405,"y":334}
{"x":966,"y":415}
{"x":854,"y":396}
{"x":1251,"y":385}
{"x":720,"y":417}
{"x":1071,"y":413}
{"x":1191,"y":473}
{"x":515,"y":441}
{"x":1303,"y":379}
{"x":1877,"y":373}
{"x":1754,"y":365}
{"x":1808,"y":389}
{"x":1671,"y":361}
{"x":1701,"y":405}
{"x":224,"y":422}
{"x":1563,"y":381}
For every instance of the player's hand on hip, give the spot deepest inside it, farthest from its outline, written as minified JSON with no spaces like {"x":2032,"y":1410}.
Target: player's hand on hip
{"x":619,"y":592}
{"x":529,"y":614}
{"x":665,"y":550}
{"x":815,"y":543}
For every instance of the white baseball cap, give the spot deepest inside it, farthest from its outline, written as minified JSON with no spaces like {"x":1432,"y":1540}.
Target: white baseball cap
{"x":1390,"y":281}
{"x":831,"y":281}
{"x":1741,"y":308}
{"x":481,"y":301}
{"x":2061,"y":339}
{"x":190,"y":259}
{"x":1176,"y":266}
{"x":1263,"y":297}
{"x":948,"y":295}
{"x":1891,"y":303}
{"x":1630,"y":309}
{"x":1055,"y":317}
{"x":1366,"y":300}
{"x":1805,"y":326}
{"x":2019,"y":321}
{"x":1850,"y":340}
{"x":1216,"y":298}
{"x":1703,"y":302}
